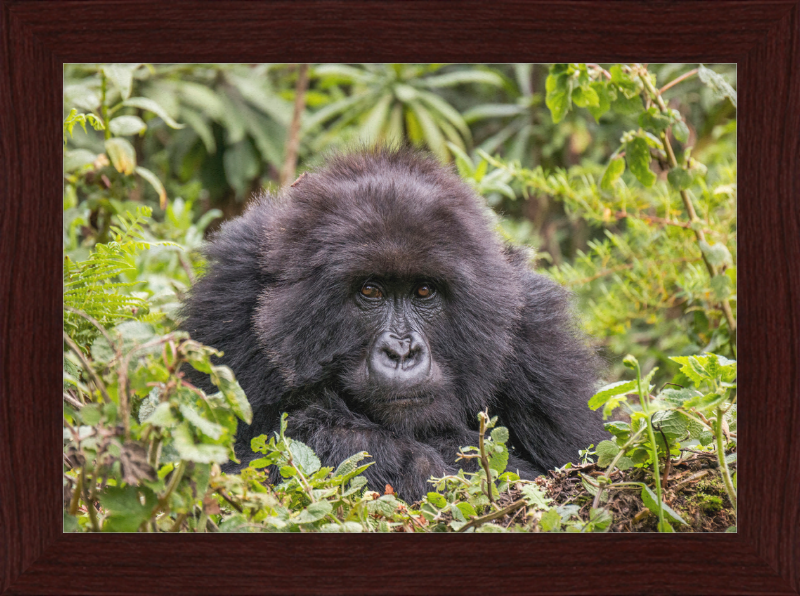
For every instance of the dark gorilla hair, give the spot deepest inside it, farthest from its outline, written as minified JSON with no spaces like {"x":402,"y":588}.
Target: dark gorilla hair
{"x":372,"y":301}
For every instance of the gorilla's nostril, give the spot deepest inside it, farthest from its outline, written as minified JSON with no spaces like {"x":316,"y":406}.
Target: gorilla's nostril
{"x":398,"y":360}
{"x":392,"y":355}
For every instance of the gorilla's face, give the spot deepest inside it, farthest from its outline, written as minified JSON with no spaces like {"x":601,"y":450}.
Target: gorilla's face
{"x":390,"y":290}
{"x":398,"y":374}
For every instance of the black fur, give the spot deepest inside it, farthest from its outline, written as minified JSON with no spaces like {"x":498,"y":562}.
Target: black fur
{"x":281,"y":299}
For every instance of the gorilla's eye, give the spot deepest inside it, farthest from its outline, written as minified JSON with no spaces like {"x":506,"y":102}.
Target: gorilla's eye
{"x":424,"y":291}
{"x":371,"y":291}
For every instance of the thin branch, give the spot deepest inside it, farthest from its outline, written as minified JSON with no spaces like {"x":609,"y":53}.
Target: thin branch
{"x":293,"y":137}
{"x":683,"y":77}
{"x":659,"y":220}
{"x":479,"y":521}
{"x":600,"y":68}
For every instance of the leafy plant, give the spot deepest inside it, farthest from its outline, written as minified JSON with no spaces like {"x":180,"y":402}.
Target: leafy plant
{"x":668,"y":421}
{"x":392,"y":102}
{"x":657,"y":277}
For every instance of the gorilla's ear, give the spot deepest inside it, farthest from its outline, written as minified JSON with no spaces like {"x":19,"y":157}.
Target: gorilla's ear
{"x":521,"y":257}
{"x":549,"y":380}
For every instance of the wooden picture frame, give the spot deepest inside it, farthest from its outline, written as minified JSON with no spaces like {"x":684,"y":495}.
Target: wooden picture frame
{"x":763,"y":38}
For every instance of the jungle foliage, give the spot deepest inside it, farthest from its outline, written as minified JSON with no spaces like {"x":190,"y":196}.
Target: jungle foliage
{"x":622,"y":177}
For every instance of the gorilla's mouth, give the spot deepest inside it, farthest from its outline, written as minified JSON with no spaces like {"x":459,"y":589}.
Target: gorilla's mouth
{"x":408,"y":401}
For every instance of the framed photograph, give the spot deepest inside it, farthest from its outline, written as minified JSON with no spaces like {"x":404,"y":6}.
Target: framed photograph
{"x":754,"y":42}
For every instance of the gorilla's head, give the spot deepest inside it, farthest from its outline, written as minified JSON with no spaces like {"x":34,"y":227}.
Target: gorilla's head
{"x":387,"y":286}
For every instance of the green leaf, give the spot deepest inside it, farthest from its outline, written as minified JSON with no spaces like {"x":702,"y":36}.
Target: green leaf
{"x":500,"y":435}
{"x":348,"y":466}
{"x":559,"y":93}
{"x":124,"y":507}
{"x":376,"y":119}
{"x":716,"y":254}
{"x":717,"y":83}
{"x":624,"y":81}
{"x":609,"y":391}
{"x":654,"y":120}
{"x":499,"y":459}
{"x":613,"y":171}
{"x":461,"y":77}
{"x":651,"y":502}
{"x":692,"y":368}
{"x":627,"y":106}
{"x":625,"y":463}
{"x":155,"y":183}
{"x":208,"y":428}
{"x":677,"y":397}
{"x":585,"y":97}
{"x":122,"y":155}
{"x":314,"y":512}
{"x":603,"y":100}
{"x":288,"y":471}
{"x":437,"y":500}
{"x":161,"y":416}
{"x":121,"y":76}
{"x":467,"y":510}
{"x":199,"y":452}
{"x":551,"y":521}
{"x":144,"y":103}
{"x":223,"y":377}
{"x":637,"y":154}
{"x":672,"y":424}
{"x":664,"y":526}
{"x":304,"y":458}
{"x":77,"y":158}
{"x":600,"y":519}
{"x":680,"y":131}
{"x":535,"y":496}
{"x":90,"y":414}
{"x":721,"y":286}
{"x":618,"y":428}
{"x":127,"y":125}
{"x":606,"y":452}
{"x":241,"y":164}
{"x":261,"y":462}
{"x":348,"y":526}
{"x":706,"y":402}
{"x":679,"y":178}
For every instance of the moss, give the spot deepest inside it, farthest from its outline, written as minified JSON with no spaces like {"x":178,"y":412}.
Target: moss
{"x":709,"y":503}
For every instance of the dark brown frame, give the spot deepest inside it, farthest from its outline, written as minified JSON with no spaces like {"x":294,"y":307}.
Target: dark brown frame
{"x":38,"y":36}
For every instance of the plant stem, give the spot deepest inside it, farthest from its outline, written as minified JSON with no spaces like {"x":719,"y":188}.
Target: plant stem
{"x":103,"y":105}
{"x":484,"y":459}
{"x":163,"y":502}
{"x":653,"y":445}
{"x":610,"y":469}
{"x":683,"y":77}
{"x":723,"y":465}
{"x":293,"y":136}
{"x":656,"y":474}
{"x":479,"y":521}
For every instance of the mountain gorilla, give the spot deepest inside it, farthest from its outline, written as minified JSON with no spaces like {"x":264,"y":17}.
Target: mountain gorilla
{"x":372,"y":301}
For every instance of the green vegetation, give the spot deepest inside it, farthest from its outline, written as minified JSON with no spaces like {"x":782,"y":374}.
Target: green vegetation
{"x":622,"y":178}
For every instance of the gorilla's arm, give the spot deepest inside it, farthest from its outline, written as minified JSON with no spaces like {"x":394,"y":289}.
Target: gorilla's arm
{"x":336,"y":433}
{"x":550,"y":378}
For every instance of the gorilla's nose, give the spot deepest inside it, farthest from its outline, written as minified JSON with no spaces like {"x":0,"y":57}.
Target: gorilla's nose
{"x":400,"y":361}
